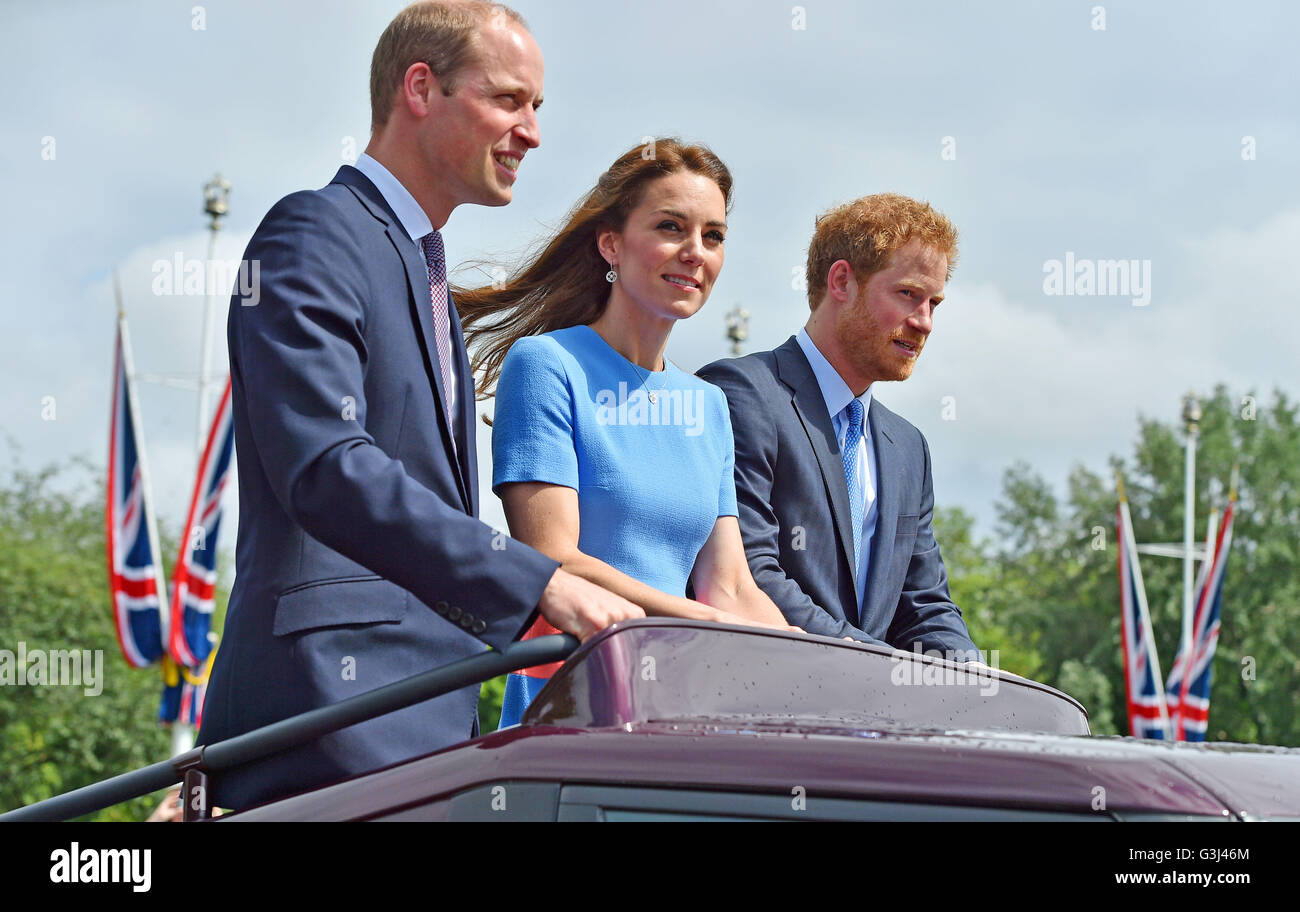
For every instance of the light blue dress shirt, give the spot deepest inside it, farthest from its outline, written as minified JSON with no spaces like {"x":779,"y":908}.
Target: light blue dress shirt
{"x":837,"y":395}
{"x":415,"y":222}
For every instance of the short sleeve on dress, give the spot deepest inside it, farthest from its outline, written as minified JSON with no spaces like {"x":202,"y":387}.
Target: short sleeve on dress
{"x":727,"y":484}
{"x":532,"y":429}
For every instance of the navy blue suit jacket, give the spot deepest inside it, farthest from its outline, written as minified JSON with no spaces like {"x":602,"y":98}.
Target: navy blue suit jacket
{"x":360,"y":559}
{"x":794,"y":510}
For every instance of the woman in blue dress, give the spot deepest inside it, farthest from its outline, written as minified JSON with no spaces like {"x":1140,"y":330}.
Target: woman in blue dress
{"x":607,"y":456}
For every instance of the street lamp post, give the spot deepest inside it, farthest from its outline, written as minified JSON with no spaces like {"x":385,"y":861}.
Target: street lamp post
{"x":216,"y":197}
{"x":216,"y":203}
{"x":1192,"y":423}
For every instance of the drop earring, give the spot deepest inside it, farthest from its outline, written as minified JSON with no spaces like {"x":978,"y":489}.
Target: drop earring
{"x":612,"y":276}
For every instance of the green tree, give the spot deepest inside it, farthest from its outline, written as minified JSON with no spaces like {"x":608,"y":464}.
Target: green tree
{"x":972,"y":579}
{"x":54,"y":595}
{"x":489,"y":704}
{"x":1055,"y":584}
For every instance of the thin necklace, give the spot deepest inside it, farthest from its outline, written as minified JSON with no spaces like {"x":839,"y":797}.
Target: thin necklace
{"x":652,"y":394}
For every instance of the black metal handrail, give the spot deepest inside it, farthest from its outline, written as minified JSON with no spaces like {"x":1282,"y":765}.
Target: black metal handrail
{"x":193,"y":766}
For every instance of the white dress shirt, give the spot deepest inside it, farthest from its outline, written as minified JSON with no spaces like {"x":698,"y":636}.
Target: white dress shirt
{"x":837,"y":395}
{"x":414,"y":222}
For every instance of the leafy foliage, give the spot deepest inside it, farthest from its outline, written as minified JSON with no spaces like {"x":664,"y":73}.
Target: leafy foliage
{"x":54,"y":595}
{"x":489,"y":704}
{"x":1050,"y":583}
{"x":1044,"y":594}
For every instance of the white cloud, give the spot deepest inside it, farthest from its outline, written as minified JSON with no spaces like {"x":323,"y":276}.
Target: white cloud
{"x":1107,"y":150}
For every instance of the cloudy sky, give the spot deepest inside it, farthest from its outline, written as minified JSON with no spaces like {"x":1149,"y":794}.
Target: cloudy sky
{"x":1157,"y":132}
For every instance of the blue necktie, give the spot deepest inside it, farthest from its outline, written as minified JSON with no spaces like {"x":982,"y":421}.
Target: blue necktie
{"x":852,"y":445}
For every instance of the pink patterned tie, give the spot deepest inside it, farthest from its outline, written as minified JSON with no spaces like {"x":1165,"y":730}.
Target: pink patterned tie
{"x":436,"y":258}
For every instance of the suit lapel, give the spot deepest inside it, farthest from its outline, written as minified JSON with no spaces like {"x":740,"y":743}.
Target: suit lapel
{"x":466,"y":440}
{"x":417,"y":278}
{"x":882,"y":540}
{"x":810,"y":406}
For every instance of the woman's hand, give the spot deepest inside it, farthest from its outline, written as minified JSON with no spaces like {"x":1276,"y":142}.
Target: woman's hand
{"x":546,"y":517}
{"x":722,"y":579}
{"x":729,"y":617}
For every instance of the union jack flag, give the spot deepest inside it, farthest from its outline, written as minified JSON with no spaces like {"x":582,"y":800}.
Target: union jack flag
{"x":133,"y":567}
{"x":183,"y":693}
{"x":1147,"y":714}
{"x":1189,"y":695}
{"x":194,"y":582}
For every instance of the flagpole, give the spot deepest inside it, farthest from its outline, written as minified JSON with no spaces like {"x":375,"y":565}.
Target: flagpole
{"x":1130,"y":543}
{"x":215,"y":196}
{"x":1211,"y":535}
{"x":1191,"y":420}
{"x":151,"y":520}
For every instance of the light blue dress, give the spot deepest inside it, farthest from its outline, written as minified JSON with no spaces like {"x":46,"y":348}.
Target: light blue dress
{"x":652,"y":476}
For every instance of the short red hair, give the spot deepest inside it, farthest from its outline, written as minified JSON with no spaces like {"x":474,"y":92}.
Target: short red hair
{"x":867,"y":231}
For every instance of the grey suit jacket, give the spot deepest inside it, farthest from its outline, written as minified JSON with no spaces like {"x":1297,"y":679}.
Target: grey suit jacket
{"x":794,"y":511}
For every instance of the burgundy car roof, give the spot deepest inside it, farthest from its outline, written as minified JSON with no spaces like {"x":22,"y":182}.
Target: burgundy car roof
{"x":666,"y":668}
{"x":740,"y":710}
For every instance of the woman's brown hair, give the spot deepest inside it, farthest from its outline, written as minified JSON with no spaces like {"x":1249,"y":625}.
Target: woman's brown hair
{"x":564,"y":285}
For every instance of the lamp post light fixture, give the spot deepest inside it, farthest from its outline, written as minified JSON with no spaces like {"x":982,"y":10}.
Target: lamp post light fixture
{"x":216,"y":200}
{"x":737,"y":328}
{"x":1191,"y":413}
